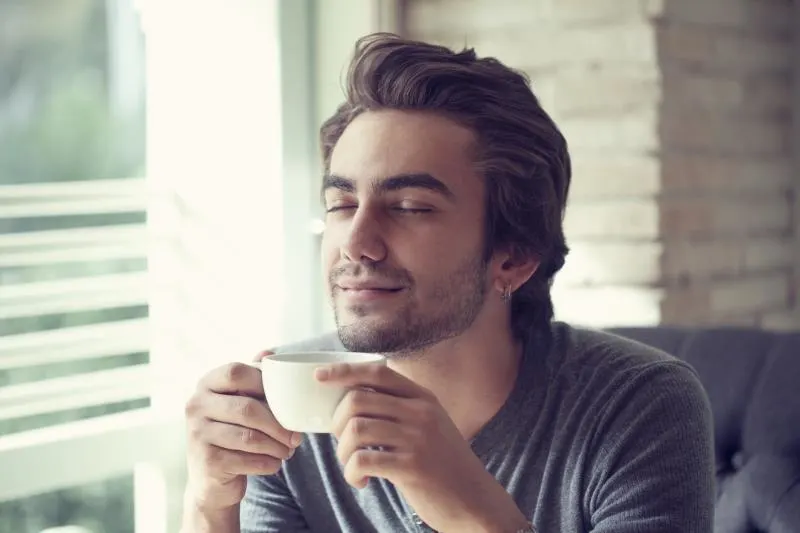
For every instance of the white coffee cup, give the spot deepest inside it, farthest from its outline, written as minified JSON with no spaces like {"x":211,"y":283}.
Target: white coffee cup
{"x":297,"y":400}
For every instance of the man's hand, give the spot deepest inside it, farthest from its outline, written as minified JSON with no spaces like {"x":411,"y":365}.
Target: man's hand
{"x":231,"y":433}
{"x":392,"y":428}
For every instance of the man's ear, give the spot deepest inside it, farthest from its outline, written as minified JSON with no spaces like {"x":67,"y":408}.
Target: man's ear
{"x":514,"y":269}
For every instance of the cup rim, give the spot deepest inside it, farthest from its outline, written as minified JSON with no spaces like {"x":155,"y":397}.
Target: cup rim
{"x":286,"y":357}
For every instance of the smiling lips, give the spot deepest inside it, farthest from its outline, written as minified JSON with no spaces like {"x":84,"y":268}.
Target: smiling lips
{"x":365,"y":290}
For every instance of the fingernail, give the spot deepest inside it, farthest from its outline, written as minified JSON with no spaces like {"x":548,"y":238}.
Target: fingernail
{"x":291,"y":453}
{"x":297,"y":438}
{"x":323,"y":373}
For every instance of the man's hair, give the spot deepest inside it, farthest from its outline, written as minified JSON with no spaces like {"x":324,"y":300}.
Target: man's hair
{"x":521,"y":153}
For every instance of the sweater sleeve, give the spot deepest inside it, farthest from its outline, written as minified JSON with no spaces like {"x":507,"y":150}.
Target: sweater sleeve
{"x":269,"y":507}
{"x":653,"y":470}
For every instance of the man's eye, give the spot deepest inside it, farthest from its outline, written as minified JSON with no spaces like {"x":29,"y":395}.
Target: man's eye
{"x":413,"y":210}
{"x":336,"y":208}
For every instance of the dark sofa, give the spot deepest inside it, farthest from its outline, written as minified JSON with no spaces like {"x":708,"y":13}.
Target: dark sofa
{"x":752,"y":378}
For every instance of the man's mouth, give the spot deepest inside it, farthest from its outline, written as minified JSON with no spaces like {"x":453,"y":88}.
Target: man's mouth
{"x":367,"y":292}
{"x":370,"y":289}
{"x":371,"y":285}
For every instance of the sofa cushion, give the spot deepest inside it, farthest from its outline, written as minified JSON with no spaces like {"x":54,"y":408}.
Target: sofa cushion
{"x":752,"y":378}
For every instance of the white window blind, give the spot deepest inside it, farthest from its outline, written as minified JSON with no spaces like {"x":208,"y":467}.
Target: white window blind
{"x":209,"y":263}
{"x":63,"y":292}
{"x":74,"y":337}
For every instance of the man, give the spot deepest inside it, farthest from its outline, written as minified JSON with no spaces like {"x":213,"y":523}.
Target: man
{"x":445,"y":185}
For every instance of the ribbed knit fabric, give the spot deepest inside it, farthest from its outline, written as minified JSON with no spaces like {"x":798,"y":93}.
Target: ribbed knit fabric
{"x":600,"y":434}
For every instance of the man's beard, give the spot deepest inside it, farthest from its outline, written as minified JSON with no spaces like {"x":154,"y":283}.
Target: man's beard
{"x":453,"y":305}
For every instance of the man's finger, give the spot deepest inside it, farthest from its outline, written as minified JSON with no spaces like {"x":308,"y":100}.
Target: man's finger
{"x":234,"y":378}
{"x":245,"y":412}
{"x":241,"y":463}
{"x":364,"y":464}
{"x":261,"y":355}
{"x":232,"y":437}
{"x":379,"y":377}
{"x":360,"y":433}
{"x":368,"y":404}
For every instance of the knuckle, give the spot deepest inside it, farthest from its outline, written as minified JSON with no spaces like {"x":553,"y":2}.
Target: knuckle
{"x":357,"y":399}
{"x":350,"y":476}
{"x":359,"y":426}
{"x":341,"y":456}
{"x":361,"y":459}
{"x":192,"y":406}
{"x":269,"y":465}
{"x":234,"y":372}
{"x":249,"y":436}
{"x":244,"y":407}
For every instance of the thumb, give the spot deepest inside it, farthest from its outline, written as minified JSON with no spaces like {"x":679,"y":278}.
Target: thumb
{"x":261,"y":355}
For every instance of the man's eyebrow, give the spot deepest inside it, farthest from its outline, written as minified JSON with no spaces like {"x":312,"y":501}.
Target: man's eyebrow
{"x":332,"y":181}
{"x":417,"y":180}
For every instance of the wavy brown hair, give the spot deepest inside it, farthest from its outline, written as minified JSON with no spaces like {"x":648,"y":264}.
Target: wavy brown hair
{"x":521,"y":153}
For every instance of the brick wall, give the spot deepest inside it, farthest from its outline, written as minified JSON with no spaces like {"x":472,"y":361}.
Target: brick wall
{"x":726,"y":158}
{"x":677,"y":114}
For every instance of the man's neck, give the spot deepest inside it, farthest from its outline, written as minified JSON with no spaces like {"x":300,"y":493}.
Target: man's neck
{"x":472,"y":375}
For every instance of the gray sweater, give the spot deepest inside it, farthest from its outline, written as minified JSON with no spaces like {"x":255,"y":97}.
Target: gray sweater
{"x":600,"y":434}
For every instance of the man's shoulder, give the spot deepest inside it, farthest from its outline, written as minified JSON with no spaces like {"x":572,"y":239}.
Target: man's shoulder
{"x":321,"y":343}
{"x":611,"y":357}
{"x":589,"y":345}
{"x":625,"y":374}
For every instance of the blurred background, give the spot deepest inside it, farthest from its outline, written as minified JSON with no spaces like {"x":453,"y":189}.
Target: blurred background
{"x":159,"y":201}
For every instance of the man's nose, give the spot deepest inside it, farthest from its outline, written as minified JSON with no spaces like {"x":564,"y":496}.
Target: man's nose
{"x":364,"y":240}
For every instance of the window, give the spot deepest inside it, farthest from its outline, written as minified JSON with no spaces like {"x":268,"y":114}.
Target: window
{"x":73,"y":305}
{"x":154,"y":207}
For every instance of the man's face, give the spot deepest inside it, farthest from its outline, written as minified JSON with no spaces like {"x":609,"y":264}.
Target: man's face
{"x":403,"y":245}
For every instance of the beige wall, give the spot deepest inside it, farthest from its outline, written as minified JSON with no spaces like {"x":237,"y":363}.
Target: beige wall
{"x":677,"y":114}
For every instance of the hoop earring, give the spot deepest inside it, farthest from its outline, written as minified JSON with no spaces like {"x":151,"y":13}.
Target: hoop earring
{"x":506,"y":296}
